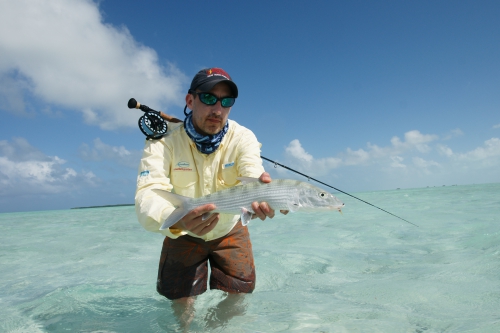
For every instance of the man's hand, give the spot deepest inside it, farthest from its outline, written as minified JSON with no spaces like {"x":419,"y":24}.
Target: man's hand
{"x":263,"y":210}
{"x":193,"y":222}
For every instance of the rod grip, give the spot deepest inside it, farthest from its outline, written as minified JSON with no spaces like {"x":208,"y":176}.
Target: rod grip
{"x":133,"y":104}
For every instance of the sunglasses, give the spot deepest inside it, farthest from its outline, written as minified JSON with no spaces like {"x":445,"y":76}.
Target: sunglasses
{"x":211,"y":99}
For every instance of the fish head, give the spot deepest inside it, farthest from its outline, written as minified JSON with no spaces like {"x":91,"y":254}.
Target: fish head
{"x":313,"y":198}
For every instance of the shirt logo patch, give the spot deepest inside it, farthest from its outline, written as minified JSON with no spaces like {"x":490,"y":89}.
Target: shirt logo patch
{"x":144,"y":173}
{"x":183,"y":166}
{"x":227,"y":165}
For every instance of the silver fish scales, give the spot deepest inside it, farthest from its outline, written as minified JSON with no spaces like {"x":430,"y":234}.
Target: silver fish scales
{"x":280,"y":194}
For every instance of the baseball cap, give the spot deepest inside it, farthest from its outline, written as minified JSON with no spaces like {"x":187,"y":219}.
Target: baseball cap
{"x":207,"y":78}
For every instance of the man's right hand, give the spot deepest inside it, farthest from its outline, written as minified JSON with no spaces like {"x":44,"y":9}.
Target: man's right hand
{"x":193,"y":222}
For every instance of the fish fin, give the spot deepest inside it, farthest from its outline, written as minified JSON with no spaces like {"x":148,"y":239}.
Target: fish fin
{"x":175,"y":199}
{"x":340,"y":211}
{"x":247,"y":180}
{"x":173,"y":218}
{"x":180,"y":203}
{"x":245,"y":216}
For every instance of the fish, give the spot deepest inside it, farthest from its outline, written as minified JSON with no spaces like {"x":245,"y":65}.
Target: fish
{"x":280,"y":194}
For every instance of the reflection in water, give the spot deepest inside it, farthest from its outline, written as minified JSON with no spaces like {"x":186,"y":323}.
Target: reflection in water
{"x":184,"y":311}
{"x":218,"y":316}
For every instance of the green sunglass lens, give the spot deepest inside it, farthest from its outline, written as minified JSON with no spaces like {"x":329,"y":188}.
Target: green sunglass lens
{"x":208,"y":99}
{"x":227,"y":102}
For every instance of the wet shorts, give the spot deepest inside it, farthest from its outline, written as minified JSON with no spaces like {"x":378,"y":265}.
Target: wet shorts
{"x":183,"y":269}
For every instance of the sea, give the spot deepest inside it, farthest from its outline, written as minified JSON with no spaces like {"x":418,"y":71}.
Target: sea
{"x":95,"y":270}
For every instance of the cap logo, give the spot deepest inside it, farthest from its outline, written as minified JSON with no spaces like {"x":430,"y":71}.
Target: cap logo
{"x":218,"y":72}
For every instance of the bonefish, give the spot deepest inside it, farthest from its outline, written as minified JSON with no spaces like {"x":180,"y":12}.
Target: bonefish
{"x":280,"y":194}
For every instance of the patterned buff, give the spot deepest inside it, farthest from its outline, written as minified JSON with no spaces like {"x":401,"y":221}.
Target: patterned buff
{"x":206,"y":144}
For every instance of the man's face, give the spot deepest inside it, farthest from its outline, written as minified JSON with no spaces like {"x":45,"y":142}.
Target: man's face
{"x":209,"y":119}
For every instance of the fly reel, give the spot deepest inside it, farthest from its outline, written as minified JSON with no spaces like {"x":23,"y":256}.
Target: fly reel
{"x":152,"y":123}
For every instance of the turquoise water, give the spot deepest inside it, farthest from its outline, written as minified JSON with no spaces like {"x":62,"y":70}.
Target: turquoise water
{"x":94,"y":270}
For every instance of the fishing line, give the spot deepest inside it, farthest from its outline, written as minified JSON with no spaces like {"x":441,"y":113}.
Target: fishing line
{"x":308,"y":177}
{"x":153,"y":125}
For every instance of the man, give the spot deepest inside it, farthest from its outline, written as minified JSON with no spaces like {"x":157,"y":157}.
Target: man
{"x":204,"y":154}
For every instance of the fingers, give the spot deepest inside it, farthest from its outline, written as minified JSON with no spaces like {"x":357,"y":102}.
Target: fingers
{"x":262,"y":210}
{"x":193,"y":221}
{"x":197,"y":212}
{"x":265,"y":177}
{"x":206,"y":225}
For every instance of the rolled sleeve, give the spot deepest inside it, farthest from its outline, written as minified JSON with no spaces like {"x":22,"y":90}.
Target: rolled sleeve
{"x":150,"y":206}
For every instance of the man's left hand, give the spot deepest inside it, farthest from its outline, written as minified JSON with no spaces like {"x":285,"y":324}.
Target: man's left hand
{"x":263,"y":210}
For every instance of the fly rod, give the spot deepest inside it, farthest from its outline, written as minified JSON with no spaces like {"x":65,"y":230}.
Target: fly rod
{"x":308,"y":177}
{"x":153,"y":124}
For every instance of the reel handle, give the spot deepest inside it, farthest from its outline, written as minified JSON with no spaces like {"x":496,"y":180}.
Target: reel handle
{"x":133,"y":104}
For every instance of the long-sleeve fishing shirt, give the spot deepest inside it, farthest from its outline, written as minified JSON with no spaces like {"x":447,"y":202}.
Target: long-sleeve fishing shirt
{"x":174,"y":164}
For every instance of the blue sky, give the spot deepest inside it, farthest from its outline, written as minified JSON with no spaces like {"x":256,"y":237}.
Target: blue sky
{"x":364,"y":95}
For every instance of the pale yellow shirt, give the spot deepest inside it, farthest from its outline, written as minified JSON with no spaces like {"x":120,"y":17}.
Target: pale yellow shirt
{"x":173,"y":163}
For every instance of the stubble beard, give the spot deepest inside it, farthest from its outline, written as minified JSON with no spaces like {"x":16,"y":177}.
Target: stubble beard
{"x":210,"y":128}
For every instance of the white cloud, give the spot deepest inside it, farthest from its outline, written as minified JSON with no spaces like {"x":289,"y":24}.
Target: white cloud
{"x":496,"y":126}
{"x":389,"y":155}
{"x":424,"y":165}
{"x":295,"y":150}
{"x":453,"y":133}
{"x":306,"y":161}
{"x":415,"y":159}
{"x":490,"y":149}
{"x":444,"y":150}
{"x":25,"y":170}
{"x":488,"y":153}
{"x":414,"y":140}
{"x":64,"y":54}
{"x":397,"y":162}
{"x":101,"y":152}
{"x":355,"y":157}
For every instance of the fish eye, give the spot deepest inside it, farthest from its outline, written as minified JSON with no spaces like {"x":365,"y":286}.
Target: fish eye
{"x":322,"y":194}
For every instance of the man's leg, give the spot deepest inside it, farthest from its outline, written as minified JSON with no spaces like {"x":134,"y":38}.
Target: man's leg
{"x":233,"y":271}
{"x":182,"y":274}
{"x":233,"y":305}
{"x":184,"y":311}
{"x":231,"y":261}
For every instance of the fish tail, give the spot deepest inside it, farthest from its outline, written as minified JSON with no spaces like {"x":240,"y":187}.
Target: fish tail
{"x":181,"y":205}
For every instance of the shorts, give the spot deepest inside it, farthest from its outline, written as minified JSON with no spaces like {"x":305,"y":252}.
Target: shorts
{"x":183,"y":268}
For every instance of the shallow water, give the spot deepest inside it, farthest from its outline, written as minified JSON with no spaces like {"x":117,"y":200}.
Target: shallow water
{"x":94,"y":270}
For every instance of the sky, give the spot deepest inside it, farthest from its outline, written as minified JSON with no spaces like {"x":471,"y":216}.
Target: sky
{"x":362,"y":95}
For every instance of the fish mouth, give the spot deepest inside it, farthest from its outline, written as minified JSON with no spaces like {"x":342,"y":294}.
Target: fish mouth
{"x":336,"y":207}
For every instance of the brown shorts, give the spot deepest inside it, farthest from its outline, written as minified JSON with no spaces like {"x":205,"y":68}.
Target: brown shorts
{"x":183,"y":268}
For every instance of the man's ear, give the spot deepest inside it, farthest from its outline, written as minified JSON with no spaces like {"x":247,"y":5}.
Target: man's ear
{"x":190,"y":101}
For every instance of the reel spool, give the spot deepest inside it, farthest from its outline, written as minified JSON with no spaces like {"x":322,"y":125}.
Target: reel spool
{"x":152,"y":125}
